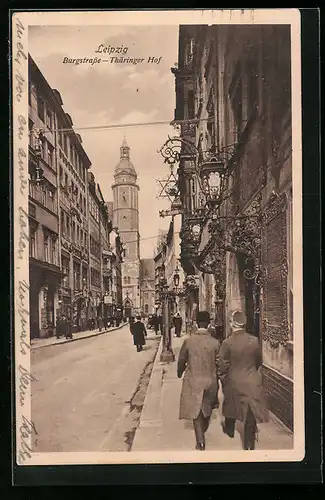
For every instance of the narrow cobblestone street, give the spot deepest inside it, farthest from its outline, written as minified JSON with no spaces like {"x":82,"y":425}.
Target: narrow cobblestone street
{"x":87,"y":395}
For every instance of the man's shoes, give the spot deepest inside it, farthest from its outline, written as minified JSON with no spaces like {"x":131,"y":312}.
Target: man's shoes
{"x":230,"y":433}
{"x":200,"y":446}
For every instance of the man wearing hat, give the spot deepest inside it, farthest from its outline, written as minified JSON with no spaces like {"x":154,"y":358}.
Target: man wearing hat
{"x":238,"y":368}
{"x":198,"y":360}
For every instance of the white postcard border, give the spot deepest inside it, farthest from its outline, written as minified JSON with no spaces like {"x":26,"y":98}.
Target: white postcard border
{"x":24,"y":426}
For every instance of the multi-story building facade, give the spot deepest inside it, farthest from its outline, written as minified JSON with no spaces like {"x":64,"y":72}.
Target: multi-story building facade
{"x":73,"y":165}
{"x":126,"y":218}
{"x":44,"y":244}
{"x":234,"y":82}
{"x":96,"y":286}
{"x":69,"y":224}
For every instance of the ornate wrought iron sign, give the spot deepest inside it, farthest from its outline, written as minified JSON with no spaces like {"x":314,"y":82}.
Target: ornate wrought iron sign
{"x":191,"y":235}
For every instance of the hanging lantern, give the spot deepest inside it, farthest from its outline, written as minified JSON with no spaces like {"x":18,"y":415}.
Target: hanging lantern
{"x":176,"y":277}
{"x":213,"y":175}
{"x":162,"y":273}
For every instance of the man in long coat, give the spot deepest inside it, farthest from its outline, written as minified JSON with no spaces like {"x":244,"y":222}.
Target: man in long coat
{"x":139,"y":333}
{"x":61,"y":326}
{"x":178,"y":324}
{"x":238,"y":367}
{"x":198,"y":359}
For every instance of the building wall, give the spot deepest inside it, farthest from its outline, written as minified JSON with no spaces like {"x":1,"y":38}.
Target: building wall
{"x":240,"y":76}
{"x":44,"y":263}
{"x":67,"y":212}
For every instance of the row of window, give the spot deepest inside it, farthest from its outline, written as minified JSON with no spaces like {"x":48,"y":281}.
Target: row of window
{"x":80,"y":278}
{"x":93,"y":208}
{"x":45,"y":250}
{"x":46,"y":115}
{"x":45,"y":194}
{"x":44,"y":112}
{"x":77,"y":196}
{"x":71,"y":153}
{"x":94,"y":247}
{"x":47,"y":152}
{"x":71,"y":229}
{"x":95,"y":277}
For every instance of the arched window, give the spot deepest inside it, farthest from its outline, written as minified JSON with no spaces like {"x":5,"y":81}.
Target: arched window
{"x":129,"y":280}
{"x":125,"y":280}
{"x":146,"y":308}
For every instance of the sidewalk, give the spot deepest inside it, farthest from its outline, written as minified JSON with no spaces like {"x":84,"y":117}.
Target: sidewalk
{"x":161,"y":430}
{"x":37,"y":343}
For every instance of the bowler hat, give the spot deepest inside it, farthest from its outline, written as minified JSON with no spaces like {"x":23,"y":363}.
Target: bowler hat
{"x":238,"y":319}
{"x":203,"y":317}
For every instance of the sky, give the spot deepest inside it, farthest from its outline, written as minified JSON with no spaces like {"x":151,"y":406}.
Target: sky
{"x":106,"y":94}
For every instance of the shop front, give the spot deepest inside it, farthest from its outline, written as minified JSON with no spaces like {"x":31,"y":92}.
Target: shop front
{"x":43,"y":298}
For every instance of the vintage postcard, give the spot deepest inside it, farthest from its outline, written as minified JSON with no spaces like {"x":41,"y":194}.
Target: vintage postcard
{"x":157,"y":180}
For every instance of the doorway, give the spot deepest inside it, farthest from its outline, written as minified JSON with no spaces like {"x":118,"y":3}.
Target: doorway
{"x":252,"y":296}
{"x":127,"y":309}
{"x":34,"y":313}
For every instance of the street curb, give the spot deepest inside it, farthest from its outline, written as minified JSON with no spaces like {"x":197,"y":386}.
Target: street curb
{"x":80,"y":338}
{"x":151,"y":410}
{"x":279,"y":422}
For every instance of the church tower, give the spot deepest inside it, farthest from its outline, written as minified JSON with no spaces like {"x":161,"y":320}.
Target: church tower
{"x":126,"y":219}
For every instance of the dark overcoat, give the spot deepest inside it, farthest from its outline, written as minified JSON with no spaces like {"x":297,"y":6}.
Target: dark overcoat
{"x":139,"y":332}
{"x":177,"y":324}
{"x":198,"y":359}
{"x":238,"y":367}
{"x":62,"y":326}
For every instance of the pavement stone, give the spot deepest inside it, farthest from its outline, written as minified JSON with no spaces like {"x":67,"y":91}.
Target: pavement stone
{"x":81,"y":392}
{"x":160,"y":428}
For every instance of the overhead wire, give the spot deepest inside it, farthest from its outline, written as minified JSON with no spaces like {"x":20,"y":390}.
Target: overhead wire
{"x":143,"y":239}
{"x":125,"y":125}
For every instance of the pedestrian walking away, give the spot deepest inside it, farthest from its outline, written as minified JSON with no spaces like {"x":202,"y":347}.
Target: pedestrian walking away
{"x":155,"y":322}
{"x":239,"y":365}
{"x":61,"y":326}
{"x":198,"y":361}
{"x":139,"y":333}
{"x":178,"y":322}
{"x":69,"y":328}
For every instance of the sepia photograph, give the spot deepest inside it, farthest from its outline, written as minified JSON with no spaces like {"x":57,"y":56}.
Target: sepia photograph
{"x":158,"y":237}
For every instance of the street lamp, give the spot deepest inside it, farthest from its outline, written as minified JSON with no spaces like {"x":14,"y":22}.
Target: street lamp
{"x":176,"y":277}
{"x":167,"y":354}
{"x":213,"y":175}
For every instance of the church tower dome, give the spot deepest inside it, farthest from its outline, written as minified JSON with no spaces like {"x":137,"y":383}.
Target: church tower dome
{"x":125,"y":166}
